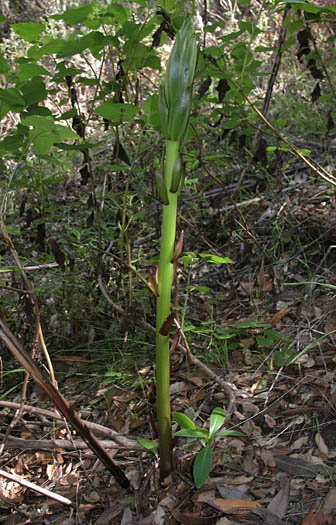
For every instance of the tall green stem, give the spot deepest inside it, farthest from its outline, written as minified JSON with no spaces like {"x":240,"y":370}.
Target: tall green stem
{"x":163,"y":304}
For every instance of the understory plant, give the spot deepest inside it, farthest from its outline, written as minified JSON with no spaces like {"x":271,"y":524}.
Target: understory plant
{"x":203,"y":461}
{"x":174,"y":106}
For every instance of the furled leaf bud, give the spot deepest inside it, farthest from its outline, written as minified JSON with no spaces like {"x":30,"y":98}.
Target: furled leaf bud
{"x":153,"y":283}
{"x":176,"y":175}
{"x":161,"y":188}
{"x":178,"y":248}
{"x":176,"y":89}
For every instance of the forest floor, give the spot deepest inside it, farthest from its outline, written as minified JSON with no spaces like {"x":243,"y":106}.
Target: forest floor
{"x":245,"y":322}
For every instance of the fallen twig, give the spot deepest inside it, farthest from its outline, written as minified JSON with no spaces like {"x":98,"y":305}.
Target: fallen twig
{"x":32,"y":486}
{"x":65,"y":444}
{"x":120,"y":441}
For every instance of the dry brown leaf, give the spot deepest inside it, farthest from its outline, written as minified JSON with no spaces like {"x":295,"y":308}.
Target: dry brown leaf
{"x":72,"y":359}
{"x":278,"y":316}
{"x":321,"y":444}
{"x":203,"y":496}
{"x":249,"y":465}
{"x":310,"y":517}
{"x":327,"y":515}
{"x":267,"y":457}
{"x":280,"y":502}
{"x":300,"y":442}
{"x":268,"y":518}
{"x":191,"y":518}
{"x":228,"y":492}
{"x":249,"y":407}
{"x":230,"y":505}
{"x":297,"y":467}
{"x":270,"y":421}
{"x":177,"y":388}
{"x":92,"y":497}
{"x":198,"y":381}
{"x":241,"y":480}
{"x":109,"y":514}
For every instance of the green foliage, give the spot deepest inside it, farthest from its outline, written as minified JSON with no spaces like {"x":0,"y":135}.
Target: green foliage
{"x":203,"y":460}
{"x":148,"y":445}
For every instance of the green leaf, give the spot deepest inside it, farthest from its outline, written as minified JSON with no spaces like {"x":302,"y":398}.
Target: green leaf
{"x":215,"y":259}
{"x":11,"y":144}
{"x":27,"y":71}
{"x":230,"y":433}
{"x":4,"y":66}
{"x":202,"y":466}
{"x":38,"y":122}
{"x":13,"y":98}
{"x":118,"y":12}
{"x":225,"y":333}
{"x":217,"y":419}
{"x":151,"y":111}
{"x":199,"y":433}
{"x":63,"y":132}
{"x":3,"y":18}
{"x":201,"y":289}
{"x":269,"y":338}
{"x":92,"y":22}
{"x":153,"y":62}
{"x":76,"y":15}
{"x":34,"y":109}
{"x":326,"y":285}
{"x":310,"y":8}
{"x":251,"y":323}
{"x":182,"y":420}
{"x":117,"y":112}
{"x":136,"y":54}
{"x":293,"y":26}
{"x":52,"y":47}
{"x":95,"y":41}
{"x":282,"y":357}
{"x":34,"y":91}
{"x":249,"y":27}
{"x":148,"y":445}
{"x":131,"y":29}
{"x":189,"y":258}
{"x":28,"y":30}
{"x":43,"y":142}
{"x":231,"y":123}
{"x":67,"y":114}
{"x":291,"y":41}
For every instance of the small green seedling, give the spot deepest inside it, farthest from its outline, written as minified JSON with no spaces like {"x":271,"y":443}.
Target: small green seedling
{"x":148,"y":445}
{"x":203,"y":461}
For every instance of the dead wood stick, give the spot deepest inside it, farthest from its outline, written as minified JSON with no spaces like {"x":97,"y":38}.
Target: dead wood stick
{"x":65,"y":444}
{"x":32,"y":486}
{"x":120,"y":441}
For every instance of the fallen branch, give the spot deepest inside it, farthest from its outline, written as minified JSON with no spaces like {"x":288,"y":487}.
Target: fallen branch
{"x":32,"y":486}
{"x":65,"y":444}
{"x":120,"y":441}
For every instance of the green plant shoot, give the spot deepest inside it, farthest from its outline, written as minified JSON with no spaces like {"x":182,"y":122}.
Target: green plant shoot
{"x":174,"y":105}
{"x":203,"y":460}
